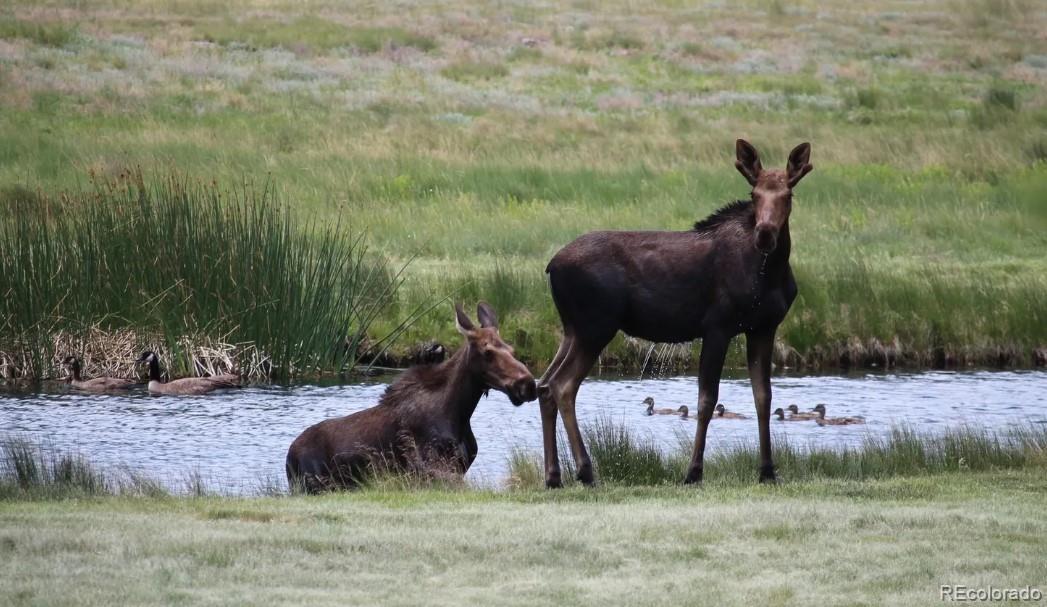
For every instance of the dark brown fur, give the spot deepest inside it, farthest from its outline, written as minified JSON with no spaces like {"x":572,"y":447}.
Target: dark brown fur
{"x":421,"y":423}
{"x":728,"y":275}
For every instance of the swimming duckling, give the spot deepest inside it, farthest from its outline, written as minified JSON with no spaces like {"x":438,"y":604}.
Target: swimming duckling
{"x":721,"y":411}
{"x":809,"y":415}
{"x":188,"y":385}
{"x":98,"y":384}
{"x":780,"y":414}
{"x":652,"y":411}
{"x":821,"y":420}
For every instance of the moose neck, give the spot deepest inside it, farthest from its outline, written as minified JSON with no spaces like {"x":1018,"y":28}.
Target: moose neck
{"x":780,"y":255}
{"x":464,"y":388}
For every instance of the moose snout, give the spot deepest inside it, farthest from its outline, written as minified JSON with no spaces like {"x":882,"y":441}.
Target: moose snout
{"x":766,"y":237}
{"x":525,"y":390}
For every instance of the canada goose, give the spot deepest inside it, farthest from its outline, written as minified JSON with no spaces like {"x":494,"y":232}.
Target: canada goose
{"x":652,"y":411}
{"x":98,"y":384}
{"x":807,"y":415}
{"x":429,"y":353}
{"x":683,"y":411}
{"x":821,"y":420}
{"x":187,"y":385}
{"x":721,"y":411}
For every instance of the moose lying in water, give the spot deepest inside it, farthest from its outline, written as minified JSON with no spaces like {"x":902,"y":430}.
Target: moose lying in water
{"x":421,"y":423}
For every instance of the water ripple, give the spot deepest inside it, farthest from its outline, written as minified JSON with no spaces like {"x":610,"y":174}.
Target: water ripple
{"x":239,"y":437}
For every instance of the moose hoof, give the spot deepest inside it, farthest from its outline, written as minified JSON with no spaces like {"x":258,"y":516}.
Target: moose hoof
{"x":585,"y":475}
{"x":694,"y":477}
{"x":552,"y":480}
{"x":767,"y":475}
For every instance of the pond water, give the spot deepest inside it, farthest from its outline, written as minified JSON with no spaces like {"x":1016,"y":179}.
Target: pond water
{"x":237,"y":440}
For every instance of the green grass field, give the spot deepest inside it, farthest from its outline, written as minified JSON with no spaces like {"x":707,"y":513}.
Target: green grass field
{"x":470,"y":140}
{"x":886,"y":542}
{"x":885,"y":522}
{"x":474,"y":139}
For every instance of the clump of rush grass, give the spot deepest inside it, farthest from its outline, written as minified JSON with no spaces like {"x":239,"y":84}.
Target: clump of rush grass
{"x":999,"y":105}
{"x":419,"y":471}
{"x":28,"y":469}
{"x":525,"y":470}
{"x":409,"y":480}
{"x":622,"y":458}
{"x":40,"y":471}
{"x":312,"y":33}
{"x":185,"y":265}
{"x":464,"y":71}
{"x":47,"y":34}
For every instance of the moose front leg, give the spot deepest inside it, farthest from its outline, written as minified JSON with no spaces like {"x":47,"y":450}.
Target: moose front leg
{"x":444,"y":454}
{"x":710,"y":366}
{"x":547,"y":404}
{"x":471,"y":449}
{"x":759,"y":348}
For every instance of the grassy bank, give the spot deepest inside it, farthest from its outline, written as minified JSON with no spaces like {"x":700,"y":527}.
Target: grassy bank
{"x":886,"y":523}
{"x":476,"y":139}
{"x":622,"y":457}
{"x":885,"y":542}
{"x":29,"y":470}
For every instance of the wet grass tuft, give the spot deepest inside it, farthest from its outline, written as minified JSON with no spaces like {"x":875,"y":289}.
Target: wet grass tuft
{"x":622,"y":457}
{"x":28,"y":469}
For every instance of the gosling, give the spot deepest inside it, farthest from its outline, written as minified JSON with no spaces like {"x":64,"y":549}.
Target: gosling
{"x":98,"y":384}
{"x":682,"y":410}
{"x":780,"y":414}
{"x":821,"y":420}
{"x":721,"y":411}
{"x":809,"y":415}
{"x":185,"y":386}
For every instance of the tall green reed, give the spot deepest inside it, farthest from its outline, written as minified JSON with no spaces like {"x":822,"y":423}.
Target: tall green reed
{"x":180,"y":261}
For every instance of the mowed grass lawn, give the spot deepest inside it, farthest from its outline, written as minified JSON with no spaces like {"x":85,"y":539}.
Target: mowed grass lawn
{"x":475,"y":139}
{"x":883,"y":542}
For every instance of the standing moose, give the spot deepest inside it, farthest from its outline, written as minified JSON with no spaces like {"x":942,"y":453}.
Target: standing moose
{"x":728,"y":275}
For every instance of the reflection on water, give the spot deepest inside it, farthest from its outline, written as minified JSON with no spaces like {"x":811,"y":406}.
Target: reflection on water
{"x":235,"y":439}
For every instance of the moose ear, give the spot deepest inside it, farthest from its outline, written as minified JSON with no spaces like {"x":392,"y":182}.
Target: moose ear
{"x":799,"y":164}
{"x":485,"y":314}
{"x":462,"y":321}
{"x":748,"y":162}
